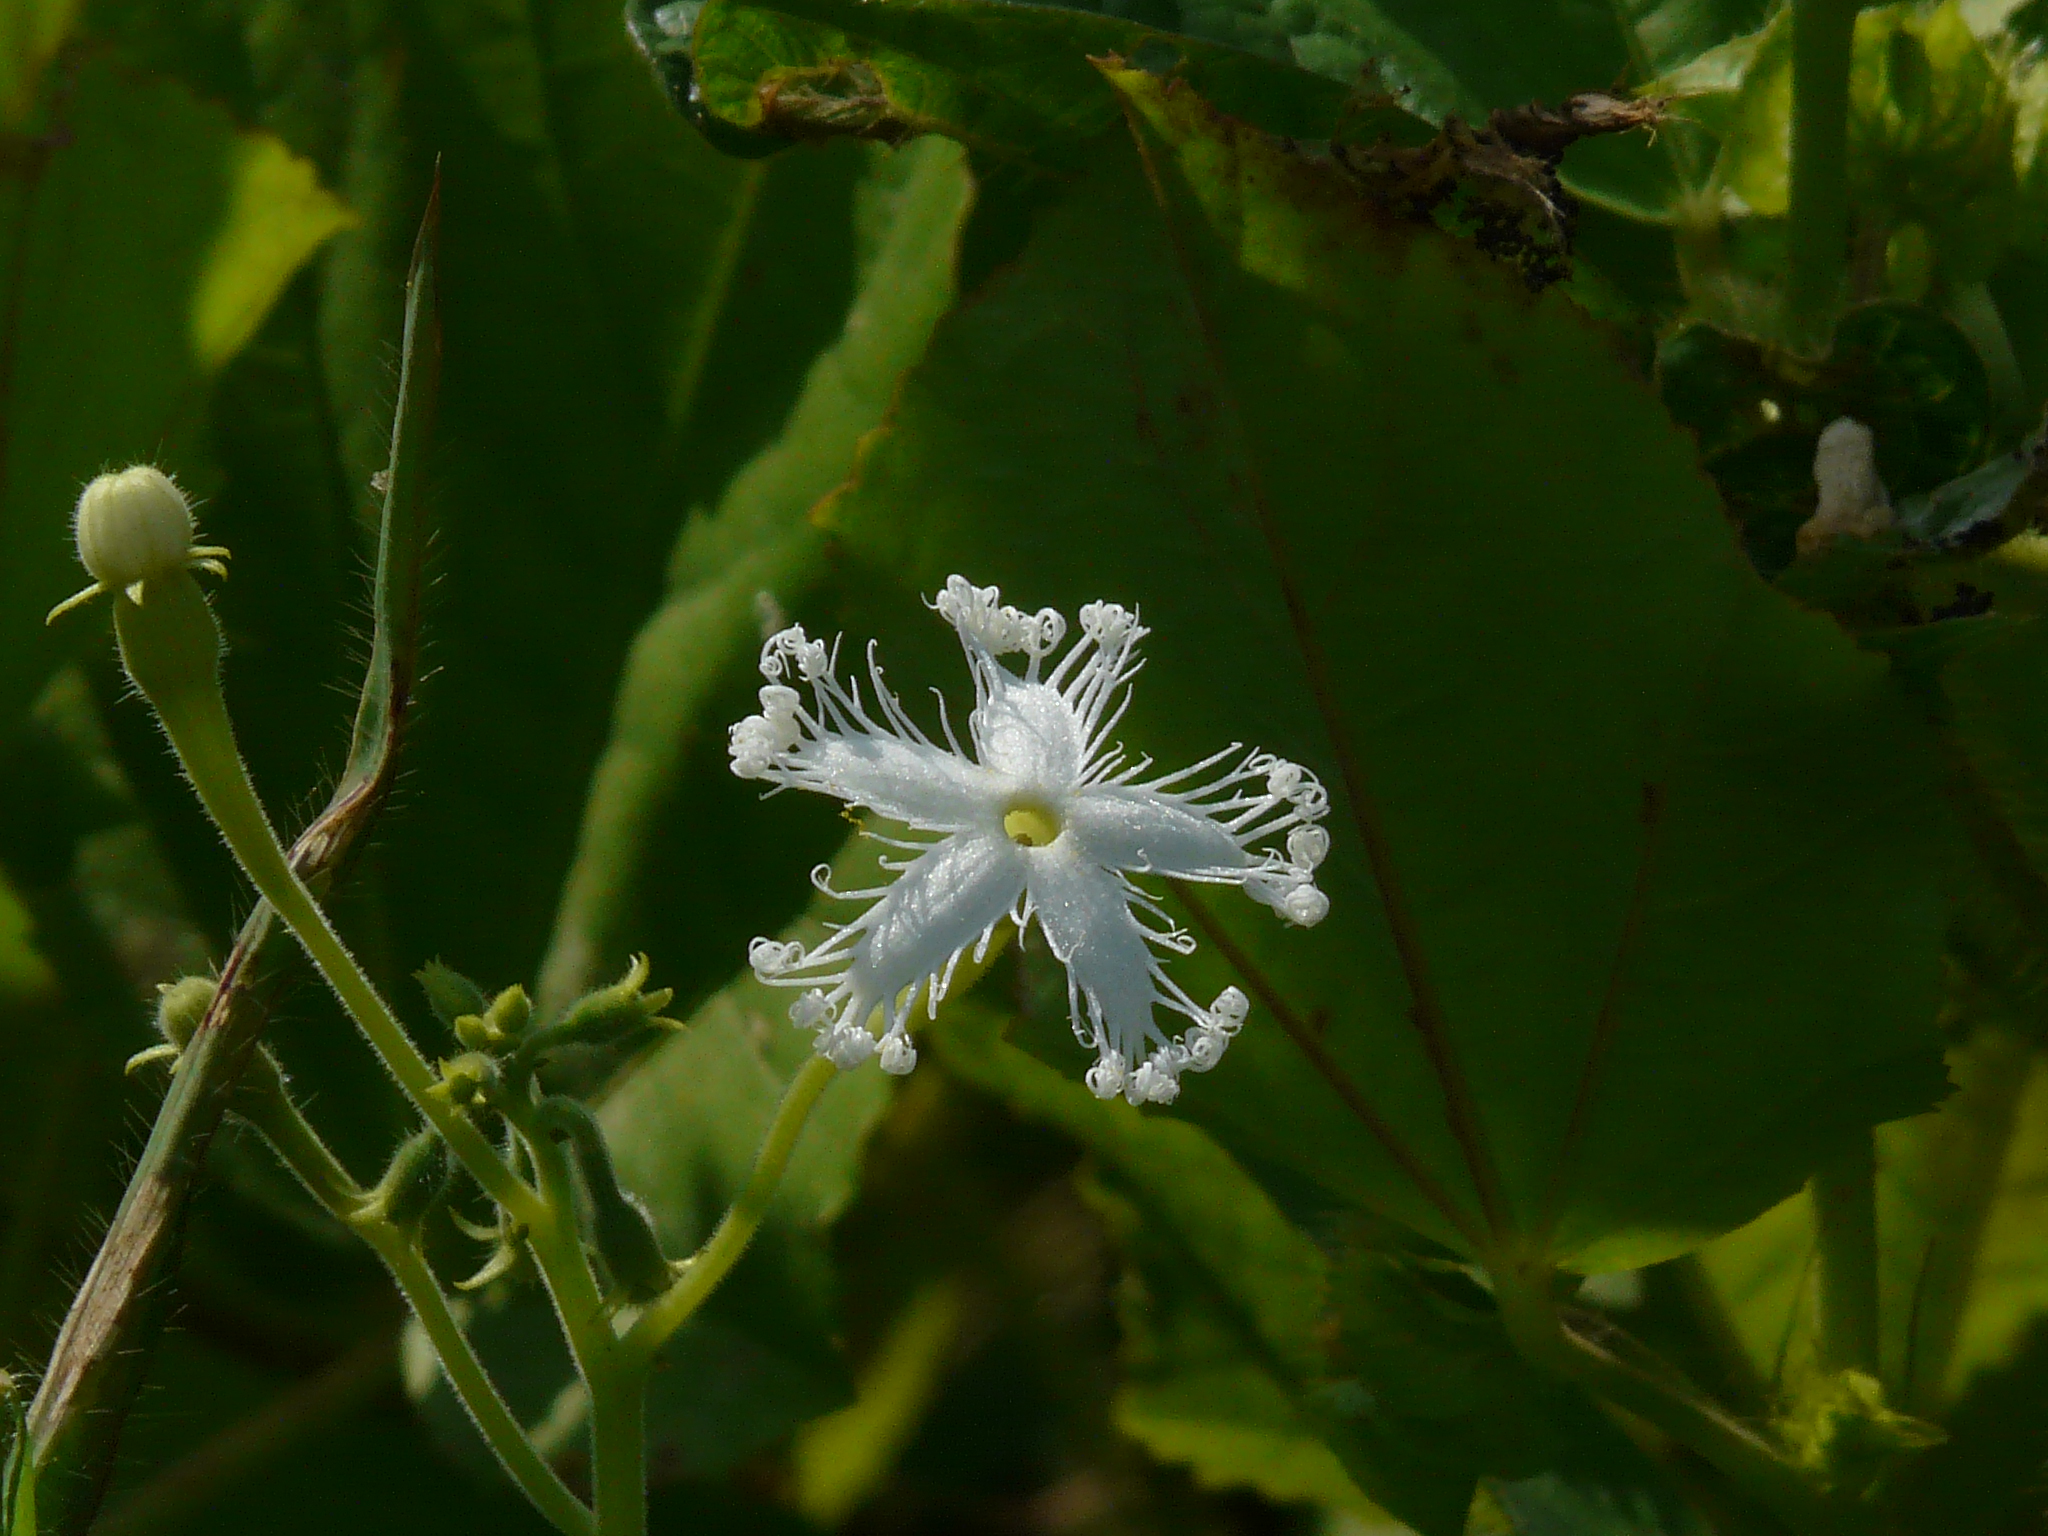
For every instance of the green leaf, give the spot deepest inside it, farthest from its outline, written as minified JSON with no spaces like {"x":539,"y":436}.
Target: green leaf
{"x":842,"y":1459}
{"x":1221,"y":1300}
{"x":1638,"y":868}
{"x":127,"y":300}
{"x":1962,"y":1195}
{"x":1194,"y":1394}
{"x":1551,"y":1505}
{"x":757,"y":541}
{"x":1259,"y":1362}
{"x":1009,"y":81}
{"x":684,"y":1129}
{"x":628,"y":317}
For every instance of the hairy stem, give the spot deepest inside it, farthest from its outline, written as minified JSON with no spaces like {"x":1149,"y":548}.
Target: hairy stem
{"x":618,"y":1451}
{"x":1823,"y":32}
{"x":1845,"y":1216}
{"x":164,"y":642}
{"x":269,"y":1108}
{"x":711,"y":1263}
{"x":472,"y":1383}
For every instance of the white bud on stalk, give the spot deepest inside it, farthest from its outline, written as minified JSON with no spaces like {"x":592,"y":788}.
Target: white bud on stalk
{"x":131,"y":525}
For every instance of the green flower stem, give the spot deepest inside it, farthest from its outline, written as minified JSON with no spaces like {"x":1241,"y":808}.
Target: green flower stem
{"x":558,"y":1249}
{"x":1845,"y":1218}
{"x":711,"y":1263}
{"x":171,"y":645}
{"x":472,"y":1383}
{"x":614,"y":1377}
{"x":262,"y":1100}
{"x":1629,"y":1378}
{"x":1823,"y":35}
{"x":618,"y":1450}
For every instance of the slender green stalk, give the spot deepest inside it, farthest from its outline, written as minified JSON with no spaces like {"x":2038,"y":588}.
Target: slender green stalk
{"x":557,"y":1248}
{"x":472,"y":1383}
{"x":265,"y":1104}
{"x":614,"y":1377}
{"x":1823,"y":32}
{"x":618,"y":1451}
{"x":711,"y":1263}
{"x":1628,"y":1378}
{"x":1845,"y":1217}
{"x":171,"y":645}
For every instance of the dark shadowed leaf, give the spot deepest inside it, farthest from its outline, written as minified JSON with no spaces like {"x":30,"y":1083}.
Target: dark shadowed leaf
{"x":1634,"y":859}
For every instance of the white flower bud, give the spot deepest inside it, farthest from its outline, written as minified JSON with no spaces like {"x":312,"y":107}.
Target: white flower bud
{"x":1304,"y":906}
{"x":845,"y":1045}
{"x":771,"y":958}
{"x":1229,"y":1011}
{"x":898,"y":1056}
{"x":1308,"y":846}
{"x":131,"y":525}
{"x":1852,"y":501}
{"x":1153,"y":1084}
{"x":1106,"y":1078}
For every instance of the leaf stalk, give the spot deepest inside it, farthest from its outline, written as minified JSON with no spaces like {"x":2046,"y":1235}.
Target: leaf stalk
{"x":1623,"y":1373}
{"x":1823,"y":39}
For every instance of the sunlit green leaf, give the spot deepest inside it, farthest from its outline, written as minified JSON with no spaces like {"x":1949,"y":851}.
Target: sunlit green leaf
{"x":1012,"y":81}
{"x":757,"y":542}
{"x":126,"y":301}
{"x":1642,"y":906}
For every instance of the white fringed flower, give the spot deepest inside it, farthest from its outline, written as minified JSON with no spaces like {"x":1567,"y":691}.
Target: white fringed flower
{"x":1043,"y":820}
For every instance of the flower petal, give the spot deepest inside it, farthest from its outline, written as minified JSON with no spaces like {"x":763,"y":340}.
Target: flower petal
{"x":1028,"y":732}
{"x":1088,"y":921}
{"x":942,"y":902}
{"x":908,"y":781}
{"x":1130,"y":827}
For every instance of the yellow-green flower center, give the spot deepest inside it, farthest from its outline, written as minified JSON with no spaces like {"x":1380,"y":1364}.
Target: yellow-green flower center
{"x":1031,"y":824}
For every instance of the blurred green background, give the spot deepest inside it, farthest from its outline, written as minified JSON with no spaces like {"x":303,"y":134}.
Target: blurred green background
{"x":980,"y":1308}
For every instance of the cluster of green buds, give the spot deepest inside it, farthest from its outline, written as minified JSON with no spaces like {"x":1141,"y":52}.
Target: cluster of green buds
{"x":501,"y":1073}
{"x":1843,"y":1430}
{"x":505,"y":1052}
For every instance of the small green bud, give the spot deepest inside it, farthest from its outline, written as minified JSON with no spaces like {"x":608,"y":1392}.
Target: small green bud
{"x":181,"y":1007}
{"x":471,"y":1078}
{"x":498,"y":1027}
{"x":417,"y":1176}
{"x":604,"y":1017}
{"x":450,"y":993}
